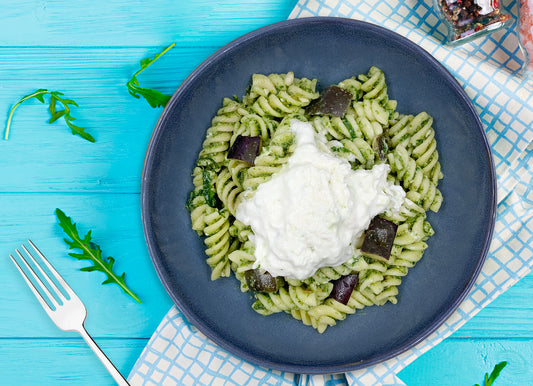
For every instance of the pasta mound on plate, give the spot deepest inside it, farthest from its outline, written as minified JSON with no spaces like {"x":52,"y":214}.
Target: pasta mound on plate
{"x":406,"y":142}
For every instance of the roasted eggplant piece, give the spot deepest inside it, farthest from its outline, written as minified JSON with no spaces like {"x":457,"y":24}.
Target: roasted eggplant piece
{"x":343,"y":288}
{"x":261,"y":281}
{"x":380,"y":146}
{"x":379,"y":238}
{"x":332,"y":101}
{"x":245,"y":148}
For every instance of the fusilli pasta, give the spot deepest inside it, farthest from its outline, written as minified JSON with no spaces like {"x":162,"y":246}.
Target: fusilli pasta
{"x":371,"y":131}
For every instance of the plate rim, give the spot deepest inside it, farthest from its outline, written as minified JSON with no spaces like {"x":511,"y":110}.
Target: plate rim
{"x":315,"y":369}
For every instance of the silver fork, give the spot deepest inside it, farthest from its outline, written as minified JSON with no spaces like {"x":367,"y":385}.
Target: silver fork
{"x":69,"y":313}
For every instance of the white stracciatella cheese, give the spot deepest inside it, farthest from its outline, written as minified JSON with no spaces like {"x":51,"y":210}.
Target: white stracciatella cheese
{"x":310,"y":214}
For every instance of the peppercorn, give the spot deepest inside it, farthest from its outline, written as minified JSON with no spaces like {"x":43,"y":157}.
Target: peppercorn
{"x":465,"y":17}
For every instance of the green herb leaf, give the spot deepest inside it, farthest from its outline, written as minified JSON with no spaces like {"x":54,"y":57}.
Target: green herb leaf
{"x":489,"y":379}
{"x":153,"y":97}
{"x":55,"y":96}
{"x":209,"y":169}
{"x":92,"y":252}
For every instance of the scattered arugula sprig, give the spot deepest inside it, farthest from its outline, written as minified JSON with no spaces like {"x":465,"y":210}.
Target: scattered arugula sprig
{"x":489,"y":379}
{"x":55,"y":96}
{"x":91,"y":251}
{"x":155,"y":98}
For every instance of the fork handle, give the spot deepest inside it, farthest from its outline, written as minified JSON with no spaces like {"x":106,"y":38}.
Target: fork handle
{"x":119,"y":379}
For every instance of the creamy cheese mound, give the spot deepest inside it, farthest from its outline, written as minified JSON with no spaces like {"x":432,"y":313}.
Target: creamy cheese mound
{"x":311,"y":213}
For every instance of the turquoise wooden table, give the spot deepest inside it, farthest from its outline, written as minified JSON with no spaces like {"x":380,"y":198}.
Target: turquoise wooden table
{"x":89,"y":50}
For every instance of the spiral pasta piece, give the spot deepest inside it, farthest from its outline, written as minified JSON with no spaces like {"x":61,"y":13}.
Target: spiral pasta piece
{"x":353,"y":86}
{"x":335,"y":127}
{"x":409,"y":233}
{"x":271,"y":160}
{"x":278,"y":95}
{"x":286,"y":299}
{"x":198,"y":214}
{"x":409,"y":209}
{"x":325,"y":315}
{"x":237,"y":169}
{"x":243,"y":260}
{"x":227,"y":190}
{"x":253,"y":125}
{"x":408,"y":256}
{"x":399,"y":132}
{"x":240,"y":231}
{"x":265,"y":166}
{"x":413,"y":178}
{"x":374,"y":111}
{"x":218,"y":136}
{"x":369,"y":277}
{"x":374,"y":85}
{"x":371,"y":131}
{"x":416,"y":135}
{"x":426,"y":155}
{"x":361,"y":150}
{"x":327,"y":274}
{"x":218,"y":242}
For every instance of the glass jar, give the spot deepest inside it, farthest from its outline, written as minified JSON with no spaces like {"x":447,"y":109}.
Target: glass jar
{"x":469,"y":19}
{"x":525,"y":33}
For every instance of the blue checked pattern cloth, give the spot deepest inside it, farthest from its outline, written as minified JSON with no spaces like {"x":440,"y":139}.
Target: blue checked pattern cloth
{"x":178,"y":354}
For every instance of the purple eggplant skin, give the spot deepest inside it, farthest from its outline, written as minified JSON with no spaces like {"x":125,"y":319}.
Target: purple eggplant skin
{"x":245,"y":149}
{"x":379,"y":239}
{"x":260,"y":281}
{"x":343,"y":288}
{"x":332,"y":101}
{"x":381,"y":147}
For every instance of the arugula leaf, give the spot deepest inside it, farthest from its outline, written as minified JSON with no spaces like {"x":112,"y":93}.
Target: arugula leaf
{"x":489,"y":379}
{"x":153,"y":97}
{"x":209,"y":167}
{"x":55,"y":96}
{"x":91,"y":251}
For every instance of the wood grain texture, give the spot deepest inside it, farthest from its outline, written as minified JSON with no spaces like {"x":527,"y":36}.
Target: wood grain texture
{"x":71,"y":363}
{"x":134,"y":23}
{"x":467,"y":361}
{"x":509,"y":316}
{"x":95,"y":78}
{"x":116,"y":226}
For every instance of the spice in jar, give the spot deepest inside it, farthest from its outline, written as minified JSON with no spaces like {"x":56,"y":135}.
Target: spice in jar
{"x":525,"y":21}
{"x":467,"y":19}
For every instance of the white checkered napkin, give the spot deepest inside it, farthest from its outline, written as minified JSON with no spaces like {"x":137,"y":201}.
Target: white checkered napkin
{"x":177,"y":354}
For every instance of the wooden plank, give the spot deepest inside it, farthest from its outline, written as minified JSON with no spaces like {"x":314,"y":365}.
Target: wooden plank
{"x":95,"y":79}
{"x":509,"y":316}
{"x":89,"y":51}
{"x":65,"y":361}
{"x":116,"y":226}
{"x":465,"y":362}
{"x":139,"y":23}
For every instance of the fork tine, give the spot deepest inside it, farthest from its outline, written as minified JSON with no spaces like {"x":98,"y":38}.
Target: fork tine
{"x":34,"y":289}
{"x":37,"y":278}
{"x":58,"y":277}
{"x":70,"y":316}
{"x":45,"y":276}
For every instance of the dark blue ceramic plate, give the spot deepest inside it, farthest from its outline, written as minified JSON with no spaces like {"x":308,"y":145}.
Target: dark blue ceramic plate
{"x":329,"y":49}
